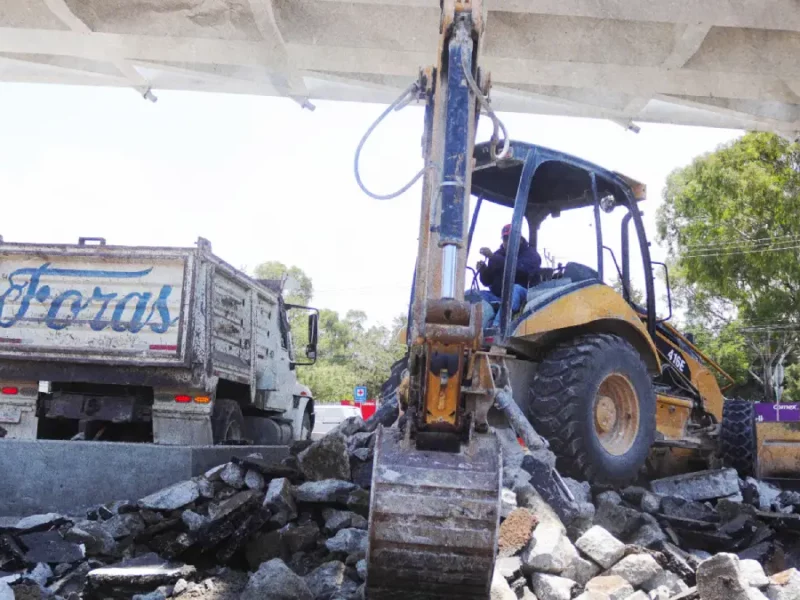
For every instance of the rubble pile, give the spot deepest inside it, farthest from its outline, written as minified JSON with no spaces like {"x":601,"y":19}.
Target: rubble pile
{"x":246,"y":529}
{"x":250,"y":529}
{"x":702,"y":536}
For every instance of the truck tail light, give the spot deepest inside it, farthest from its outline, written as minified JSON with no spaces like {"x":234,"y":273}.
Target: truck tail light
{"x":9,"y":391}
{"x":182,"y":398}
{"x":202,"y":399}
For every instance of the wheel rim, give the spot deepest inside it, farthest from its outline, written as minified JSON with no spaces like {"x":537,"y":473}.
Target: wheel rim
{"x":233,"y":433}
{"x":616,"y":414}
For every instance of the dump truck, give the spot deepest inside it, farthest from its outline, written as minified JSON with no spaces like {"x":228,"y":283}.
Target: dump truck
{"x":164,"y":345}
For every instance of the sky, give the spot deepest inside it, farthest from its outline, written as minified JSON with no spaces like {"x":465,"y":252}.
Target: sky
{"x":263,"y":179}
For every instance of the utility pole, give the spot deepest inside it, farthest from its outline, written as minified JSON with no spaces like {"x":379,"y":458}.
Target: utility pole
{"x":549,"y":258}
{"x":777,"y":381}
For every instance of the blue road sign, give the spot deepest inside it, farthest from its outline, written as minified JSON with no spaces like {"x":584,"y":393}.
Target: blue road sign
{"x":360,"y":393}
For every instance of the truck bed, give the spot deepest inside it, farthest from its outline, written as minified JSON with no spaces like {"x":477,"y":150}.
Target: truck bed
{"x":95,"y":303}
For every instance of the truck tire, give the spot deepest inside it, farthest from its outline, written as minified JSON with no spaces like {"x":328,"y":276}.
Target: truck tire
{"x":593,"y":400}
{"x":227,"y":422}
{"x":737,"y":438}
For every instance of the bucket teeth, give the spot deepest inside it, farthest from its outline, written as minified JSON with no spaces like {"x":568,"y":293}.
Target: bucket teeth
{"x":434,"y":518}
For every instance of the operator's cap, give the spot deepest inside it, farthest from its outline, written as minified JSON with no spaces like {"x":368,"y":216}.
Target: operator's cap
{"x":506,"y":231}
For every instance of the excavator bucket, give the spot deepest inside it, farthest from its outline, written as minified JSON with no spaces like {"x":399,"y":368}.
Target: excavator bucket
{"x":434,"y":518}
{"x":777,"y":440}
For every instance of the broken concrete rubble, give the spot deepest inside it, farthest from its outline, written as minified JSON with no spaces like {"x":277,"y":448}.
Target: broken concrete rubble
{"x":500,"y":589}
{"x":326,"y":459}
{"x":233,"y":475}
{"x":636,"y":569}
{"x":327,"y":491}
{"x":552,"y":587}
{"x":348,"y":541}
{"x":702,"y":485}
{"x":754,"y":573}
{"x":784,"y":585}
{"x":309,"y":524}
{"x":602,"y":547}
{"x":171,"y":498}
{"x":609,"y":587}
{"x":720,"y":578}
{"x":581,"y":570}
{"x":336,"y":520}
{"x":549,"y":550}
{"x":142,"y":573}
{"x":275,"y":581}
{"x":280,"y":500}
{"x":328,"y":580}
{"x":50,"y":547}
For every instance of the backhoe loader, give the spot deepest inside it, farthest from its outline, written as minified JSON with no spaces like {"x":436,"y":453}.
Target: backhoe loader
{"x":595,"y":385}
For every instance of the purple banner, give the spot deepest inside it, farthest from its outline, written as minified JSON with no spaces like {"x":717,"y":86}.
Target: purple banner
{"x":772,"y":413}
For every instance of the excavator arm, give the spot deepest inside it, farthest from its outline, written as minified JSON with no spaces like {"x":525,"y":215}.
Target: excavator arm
{"x":435,"y":501}
{"x":444,"y":328}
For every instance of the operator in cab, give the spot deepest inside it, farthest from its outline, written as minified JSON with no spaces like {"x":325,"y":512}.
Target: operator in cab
{"x":491,"y":275}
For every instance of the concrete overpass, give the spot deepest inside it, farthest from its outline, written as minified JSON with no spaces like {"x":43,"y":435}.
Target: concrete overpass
{"x":718,"y":63}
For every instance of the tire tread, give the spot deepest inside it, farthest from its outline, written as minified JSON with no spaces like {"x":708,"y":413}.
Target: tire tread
{"x":555,"y":406}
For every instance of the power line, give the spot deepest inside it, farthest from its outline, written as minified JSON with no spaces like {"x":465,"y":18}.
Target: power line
{"x":734,"y":252}
{"x":756,"y":241}
{"x":742,"y":245}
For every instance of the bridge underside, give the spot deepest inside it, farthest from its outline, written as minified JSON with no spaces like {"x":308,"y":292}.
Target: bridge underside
{"x":718,"y":63}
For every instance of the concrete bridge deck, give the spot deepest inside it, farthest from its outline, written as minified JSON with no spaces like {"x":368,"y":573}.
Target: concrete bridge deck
{"x":718,"y":63}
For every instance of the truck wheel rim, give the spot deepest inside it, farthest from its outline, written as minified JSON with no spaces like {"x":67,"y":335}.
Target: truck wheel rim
{"x":616,"y":414}
{"x":233,"y":433}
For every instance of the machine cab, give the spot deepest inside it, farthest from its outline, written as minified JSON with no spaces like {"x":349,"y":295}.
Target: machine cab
{"x":538,"y":184}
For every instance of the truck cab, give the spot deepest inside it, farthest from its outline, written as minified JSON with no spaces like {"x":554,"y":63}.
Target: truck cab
{"x":148,"y":344}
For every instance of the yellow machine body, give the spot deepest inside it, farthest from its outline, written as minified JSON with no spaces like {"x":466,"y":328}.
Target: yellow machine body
{"x":597,"y":308}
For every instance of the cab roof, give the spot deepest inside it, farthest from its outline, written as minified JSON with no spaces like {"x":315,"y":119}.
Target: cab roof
{"x":561,"y":182}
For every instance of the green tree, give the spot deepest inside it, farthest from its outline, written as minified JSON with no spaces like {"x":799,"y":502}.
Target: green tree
{"x":636,"y":295}
{"x":349,"y":352}
{"x":731,"y":223}
{"x":298,"y":288}
{"x":728,"y":348}
{"x":791,"y":384}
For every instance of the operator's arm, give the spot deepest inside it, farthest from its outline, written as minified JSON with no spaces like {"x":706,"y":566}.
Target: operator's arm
{"x":494,"y":268}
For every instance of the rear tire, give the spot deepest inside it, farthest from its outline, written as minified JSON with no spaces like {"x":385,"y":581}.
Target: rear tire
{"x":227,"y":422}
{"x":305,"y":428}
{"x":593,"y":400}
{"x":738,"y":445}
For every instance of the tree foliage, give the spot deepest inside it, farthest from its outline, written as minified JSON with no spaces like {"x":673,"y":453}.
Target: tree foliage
{"x":731,"y":223}
{"x":636,"y":295}
{"x":349,"y":352}
{"x":733,"y":219}
{"x":298,"y":288}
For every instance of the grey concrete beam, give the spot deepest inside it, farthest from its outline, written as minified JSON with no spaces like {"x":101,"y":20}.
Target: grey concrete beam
{"x":264,"y":14}
{"x":41,"y":476}
{"x":757,"y":14}
{"x":61,"y":10}
{"x":624,"y":78}
{"x":687,"y":43}
{"x":688,"y":40}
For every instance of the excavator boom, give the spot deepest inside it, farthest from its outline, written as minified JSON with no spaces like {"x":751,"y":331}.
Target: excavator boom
{"x":435,"y":501}
{"x":437,"y":478}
